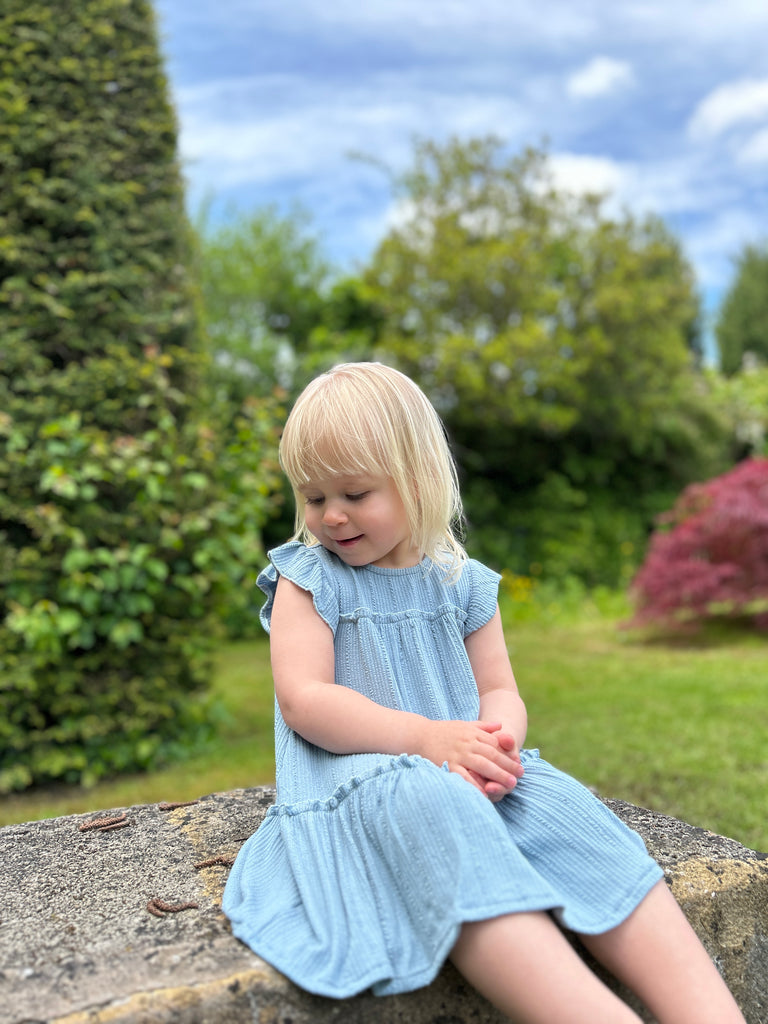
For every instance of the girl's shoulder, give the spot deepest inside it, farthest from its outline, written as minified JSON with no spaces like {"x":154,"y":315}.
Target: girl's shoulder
{"x":478,"y":587}
{"x":294,"y":556}
{"x":475,"y":574}
{"x":483,"y":576}
{"x":310,"y":567}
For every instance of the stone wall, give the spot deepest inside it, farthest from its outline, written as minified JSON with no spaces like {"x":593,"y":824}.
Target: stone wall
{"x":115,"y":917}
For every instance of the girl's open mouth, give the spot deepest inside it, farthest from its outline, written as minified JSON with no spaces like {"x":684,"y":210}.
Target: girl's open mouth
{"x":349,"y":541}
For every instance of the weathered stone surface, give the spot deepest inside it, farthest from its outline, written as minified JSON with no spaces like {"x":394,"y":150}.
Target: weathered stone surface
{"x":78,"y":944}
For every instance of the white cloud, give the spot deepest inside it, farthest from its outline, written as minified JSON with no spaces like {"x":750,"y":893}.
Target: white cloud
{"x":728,"y":105}
{"x":302,"y":144}
{"x":755,"y":150}
{"x":429,"y":25}
{"x":602,"y":75}
{"x":222,"y":92}
{"x":677,"y":187}
{"x":234,"y":131}
{"x":581,"y":174}
{"x":714,"y":243}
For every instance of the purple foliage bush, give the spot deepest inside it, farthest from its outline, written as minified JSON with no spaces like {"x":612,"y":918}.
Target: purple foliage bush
{"x":709,"y":557}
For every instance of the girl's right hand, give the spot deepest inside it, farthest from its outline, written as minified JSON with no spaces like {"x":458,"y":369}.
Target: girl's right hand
{"x":473,"y":750}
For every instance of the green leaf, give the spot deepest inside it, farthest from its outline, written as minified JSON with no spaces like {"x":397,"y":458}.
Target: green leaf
{"x":126,"y":632}
{"x":68,"y":620}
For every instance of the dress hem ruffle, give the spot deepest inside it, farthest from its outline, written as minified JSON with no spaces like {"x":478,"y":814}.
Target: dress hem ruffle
{"x":431,"y":853}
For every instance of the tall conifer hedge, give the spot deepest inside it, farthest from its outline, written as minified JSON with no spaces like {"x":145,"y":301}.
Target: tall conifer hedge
{"x":118,"y":525}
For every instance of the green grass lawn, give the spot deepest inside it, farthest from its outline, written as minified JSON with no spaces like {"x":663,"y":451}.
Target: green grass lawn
{"x":681,"y":728}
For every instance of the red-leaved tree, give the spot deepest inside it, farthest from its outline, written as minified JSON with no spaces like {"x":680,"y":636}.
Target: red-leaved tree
{"x":709,"y":557}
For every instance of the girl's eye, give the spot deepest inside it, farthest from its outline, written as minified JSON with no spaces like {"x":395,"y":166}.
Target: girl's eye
{"x":313,"y":501}
{"x":356,"y":497}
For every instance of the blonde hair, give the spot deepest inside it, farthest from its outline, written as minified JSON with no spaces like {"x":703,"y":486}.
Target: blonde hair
{"x":368,"y":418}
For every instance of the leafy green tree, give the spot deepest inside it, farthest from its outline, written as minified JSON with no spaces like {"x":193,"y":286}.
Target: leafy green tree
{"x":262,"y":278}
{"x":558,"y":342}
{"x":125,"y":521}
{"x":743,"y":399}
{"x":349,"y":329}
{"x":499,"y":288}
{"x":274,"y":310}
{"x":742,"y":325}
{"x":274,"y":315}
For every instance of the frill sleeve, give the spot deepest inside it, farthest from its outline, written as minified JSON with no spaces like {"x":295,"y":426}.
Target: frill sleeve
{"x":483,"y":594}
{"x":305,"y":567}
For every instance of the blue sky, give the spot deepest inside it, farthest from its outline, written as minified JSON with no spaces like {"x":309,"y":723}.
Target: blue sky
{"x":663,"y":103}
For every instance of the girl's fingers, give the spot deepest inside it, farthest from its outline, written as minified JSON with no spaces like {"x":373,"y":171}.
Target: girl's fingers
{"x":494,"y":789}
{"x":506,"y":740}
{"x":494,"y":792}
{"x":473,"y":779}
{"x":491,"y":771}
{"x":503,"y":740}
{"x":505,"y":757}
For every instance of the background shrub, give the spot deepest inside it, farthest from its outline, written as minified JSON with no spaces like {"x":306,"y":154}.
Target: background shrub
{"x":558,"y":531}
{"x":122,"y":534}
{"x":709,"y":558}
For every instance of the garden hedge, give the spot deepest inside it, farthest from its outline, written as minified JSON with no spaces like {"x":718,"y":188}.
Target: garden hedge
{"x":123,"y":521}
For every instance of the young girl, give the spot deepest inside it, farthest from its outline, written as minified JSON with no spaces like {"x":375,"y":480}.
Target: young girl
{"x":411,"y":825}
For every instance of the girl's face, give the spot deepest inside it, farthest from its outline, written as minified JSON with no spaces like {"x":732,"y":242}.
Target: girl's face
{"x":361,"y":519}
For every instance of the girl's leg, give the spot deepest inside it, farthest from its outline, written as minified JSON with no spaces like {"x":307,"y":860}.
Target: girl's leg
{"x":524,"y":965}
{"x":659,"y":956}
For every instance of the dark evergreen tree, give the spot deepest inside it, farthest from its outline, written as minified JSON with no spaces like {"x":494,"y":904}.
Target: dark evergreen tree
{"x":742,"y":325}
{"x":119,"y":521}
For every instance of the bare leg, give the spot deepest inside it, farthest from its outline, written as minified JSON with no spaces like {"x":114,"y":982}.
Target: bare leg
{"x":659,"y":956}
{"x":524,"y":965}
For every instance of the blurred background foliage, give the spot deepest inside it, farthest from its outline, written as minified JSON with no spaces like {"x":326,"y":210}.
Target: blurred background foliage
{"x":147,"y":364}
{"x":563,"y":347}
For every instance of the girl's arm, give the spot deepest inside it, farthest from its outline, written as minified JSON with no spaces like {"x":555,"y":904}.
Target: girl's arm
{"x":500,"y":700}
{"x":345,"y":722}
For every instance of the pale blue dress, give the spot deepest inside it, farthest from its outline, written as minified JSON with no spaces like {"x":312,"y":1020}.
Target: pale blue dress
{"x":365,"y":868}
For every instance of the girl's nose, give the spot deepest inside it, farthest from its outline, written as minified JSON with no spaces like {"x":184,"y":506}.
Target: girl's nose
{"x":333,"y":515}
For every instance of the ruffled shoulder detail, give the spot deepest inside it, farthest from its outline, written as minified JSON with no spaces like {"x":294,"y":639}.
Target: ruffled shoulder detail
{"x":480,"y":593}
{"x":306,"y":567}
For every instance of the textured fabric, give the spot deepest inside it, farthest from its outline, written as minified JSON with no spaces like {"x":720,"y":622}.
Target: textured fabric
{"x":364,"y":870}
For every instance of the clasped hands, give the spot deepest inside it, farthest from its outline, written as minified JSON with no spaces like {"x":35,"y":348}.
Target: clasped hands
{"x":483,"y":753}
